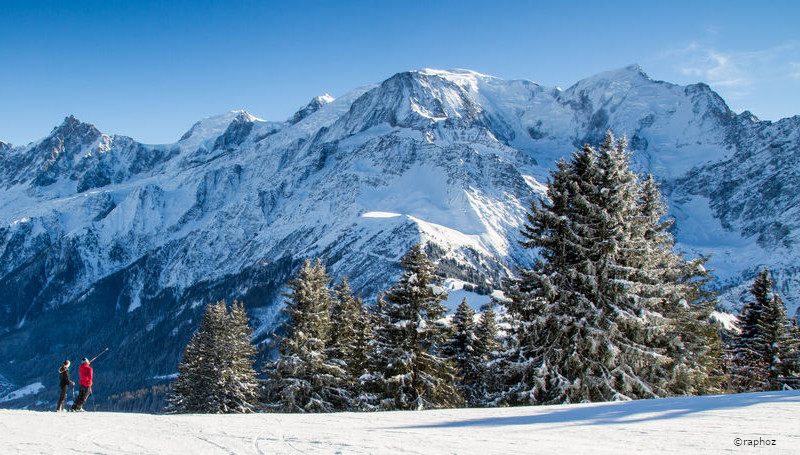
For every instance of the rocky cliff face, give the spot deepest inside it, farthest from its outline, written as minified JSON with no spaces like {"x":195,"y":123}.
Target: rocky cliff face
{"x":108,"y":242}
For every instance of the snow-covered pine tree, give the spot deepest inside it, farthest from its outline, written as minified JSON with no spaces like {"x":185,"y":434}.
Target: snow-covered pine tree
{"x":790,"y":357}
{"x":241,"y":384}
{"x":764,"y":355}
{"x":487,"y":347}
{"x":460,"y":347}
{"x":351,"y":334}
{"x":303,"y":378}
{"x":779,"y":337}
{"x":749,"y":370}
{"x":670,"y":285}
{"x":192,"y":389}
{"x":363,"y":343}
{"x":216,"y":373}
{"x":589,"y":320}
{"x":407,"y":370}
{"x":535,"y":290}
{"x":676,"y":287}
{"x":693,"y":343}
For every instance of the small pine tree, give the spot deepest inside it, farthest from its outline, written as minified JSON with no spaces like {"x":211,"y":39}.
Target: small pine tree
{"x":407,"y":370}
{"x":303,"y":378}
{"x":216,"y":373}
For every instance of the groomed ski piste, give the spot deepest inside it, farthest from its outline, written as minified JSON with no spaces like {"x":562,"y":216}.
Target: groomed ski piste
{"x":744,"y":423}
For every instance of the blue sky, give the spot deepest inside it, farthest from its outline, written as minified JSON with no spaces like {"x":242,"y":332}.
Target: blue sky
{"x":150,"y":70}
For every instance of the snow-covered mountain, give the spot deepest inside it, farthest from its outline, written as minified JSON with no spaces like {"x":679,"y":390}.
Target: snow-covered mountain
{"x":108,"y":242}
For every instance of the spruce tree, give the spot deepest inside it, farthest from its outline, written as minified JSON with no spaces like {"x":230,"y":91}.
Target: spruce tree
{"x":694,"y":347}
{"x":303,"y":378}
{"x":350,"y":336}
{"x":407,"y":370}
{"x":593,"y":319}
{"x":780,"y":345}
{"x":362,"y":344}
{"x":216,"y":372}
{"x":677,"y":288}
{"x":460,"y":348}
{"x":243,"y":384}
{"x":764,"y":355}
{"x":487,"y":348}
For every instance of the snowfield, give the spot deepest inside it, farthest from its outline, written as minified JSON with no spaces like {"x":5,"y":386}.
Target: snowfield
{"x":713,"y":424}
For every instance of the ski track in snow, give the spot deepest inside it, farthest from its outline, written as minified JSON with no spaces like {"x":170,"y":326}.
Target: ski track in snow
{"x":674,"y":425}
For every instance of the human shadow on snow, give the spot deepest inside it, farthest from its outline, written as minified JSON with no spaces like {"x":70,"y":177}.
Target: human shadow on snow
{"x":627,"y":412}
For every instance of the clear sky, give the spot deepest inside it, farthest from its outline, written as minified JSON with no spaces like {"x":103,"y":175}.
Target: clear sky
{"x":150,"y":69}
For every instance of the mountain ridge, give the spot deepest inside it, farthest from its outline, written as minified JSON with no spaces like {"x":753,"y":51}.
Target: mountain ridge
{"x":103,"y":231}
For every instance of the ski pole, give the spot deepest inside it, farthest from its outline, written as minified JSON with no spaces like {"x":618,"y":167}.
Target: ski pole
{"x":93,"y":402}
{"x":98,"y":355}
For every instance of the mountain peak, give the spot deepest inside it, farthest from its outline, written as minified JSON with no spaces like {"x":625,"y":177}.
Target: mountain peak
{"x":747,"y":115}
{"x":411,"y":99}
{"x":313,"y":106}
{"x":462,"y":77}
{"x":323,"y":99}
{"x":631,"y":73}
{"x":72,"y":127}
{"x":211,"y":127}
{"x":613,"y":83}
{"x":244,"y":116}
{"x":453,"y":74}
{"x":632,"y":70}
{"x":71,"y":122}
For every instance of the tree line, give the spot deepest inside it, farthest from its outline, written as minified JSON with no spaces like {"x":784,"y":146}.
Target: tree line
{"x":609,"y":311}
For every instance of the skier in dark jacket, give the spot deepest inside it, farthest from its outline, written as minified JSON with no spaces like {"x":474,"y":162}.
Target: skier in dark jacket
{"x":64,"y":383}
{"x":86,"y":385}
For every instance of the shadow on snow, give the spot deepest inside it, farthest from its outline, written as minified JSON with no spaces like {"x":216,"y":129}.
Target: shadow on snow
{"x":628,"y":412}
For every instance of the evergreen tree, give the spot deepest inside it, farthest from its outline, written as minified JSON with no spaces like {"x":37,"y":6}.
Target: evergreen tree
{"x":487,"y":348}
{"x":351,"y":334}
{"x":216,"y":373}
{"x":694,"y":347}
{"x":303,"y":378}
{"x":677,"y":288}
{"x":780,"y":345}
{"x":407,"y":370}
{"x":764,"y":355}
{"x":594,"y":319}
{"x":461,"y":349}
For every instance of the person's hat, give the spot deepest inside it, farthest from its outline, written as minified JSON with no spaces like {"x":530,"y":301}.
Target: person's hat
{"x":66,"y":363}
{"x":85,"y":360}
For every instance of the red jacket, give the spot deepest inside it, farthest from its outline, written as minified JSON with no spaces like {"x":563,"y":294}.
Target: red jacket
{"x":86,"y":374}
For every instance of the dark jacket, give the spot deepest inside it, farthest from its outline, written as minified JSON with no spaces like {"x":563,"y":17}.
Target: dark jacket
{"x":63,"y":374}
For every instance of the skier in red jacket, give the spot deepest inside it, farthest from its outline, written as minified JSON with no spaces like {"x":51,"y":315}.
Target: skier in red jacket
{"x":86,"y":384}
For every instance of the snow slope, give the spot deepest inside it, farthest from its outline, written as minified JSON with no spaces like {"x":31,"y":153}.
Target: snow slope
{"x":31,"y":389}
{"x":713,"y":424}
